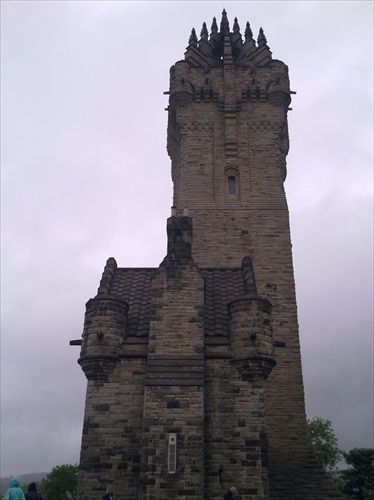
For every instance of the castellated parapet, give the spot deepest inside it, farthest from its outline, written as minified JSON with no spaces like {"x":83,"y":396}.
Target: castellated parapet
{"x":193,"y":369}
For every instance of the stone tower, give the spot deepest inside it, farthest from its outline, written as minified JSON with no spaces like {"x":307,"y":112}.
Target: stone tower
{"x":194,"y":368}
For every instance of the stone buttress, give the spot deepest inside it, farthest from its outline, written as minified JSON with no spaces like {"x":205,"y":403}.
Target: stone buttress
{"x":173,"y":415}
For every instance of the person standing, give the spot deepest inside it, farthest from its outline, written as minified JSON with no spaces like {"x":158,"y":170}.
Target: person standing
{"x":14,"y":492}
{"x":229,"y":495}
{"x":108,"y":495}
{"x":32,"y":493}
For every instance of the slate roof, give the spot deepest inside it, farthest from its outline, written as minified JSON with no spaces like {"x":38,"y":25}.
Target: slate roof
{"x":134,"y":286}
{"x":221,"y":286}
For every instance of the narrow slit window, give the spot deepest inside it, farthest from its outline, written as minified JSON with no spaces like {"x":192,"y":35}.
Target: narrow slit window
{"x":231,"y":180}
{"x":172,"y":453}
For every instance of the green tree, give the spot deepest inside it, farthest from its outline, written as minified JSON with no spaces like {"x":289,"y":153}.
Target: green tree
{"x":60,"y":483}
{"x":323,"y":442}
{"x":357,"y":482}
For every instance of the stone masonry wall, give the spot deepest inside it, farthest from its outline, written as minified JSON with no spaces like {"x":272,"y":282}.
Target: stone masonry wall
{"x":242,"y":128}
{"x":174,"y":392}
{"x":172,"y":409}
{"x":112,"y":430}
{"x":235,"y":433}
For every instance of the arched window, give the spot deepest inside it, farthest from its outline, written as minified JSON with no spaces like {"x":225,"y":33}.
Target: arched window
{"x":231,"y":185}
{"x":232,"y":182}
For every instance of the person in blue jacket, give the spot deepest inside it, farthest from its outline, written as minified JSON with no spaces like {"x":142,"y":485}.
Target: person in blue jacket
{"x":14,"y":492}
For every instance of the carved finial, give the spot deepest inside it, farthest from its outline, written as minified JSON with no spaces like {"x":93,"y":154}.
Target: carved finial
{"x":248,"y":32}
{"x":236,"y":27}
{"x":214,"y":28}
{"x":236,"y":39}
{"x":261,"y":39}
{"x":179,"y":231}
{"x":224,"y":23}
{"x":204,"y":32}
{"x":193,"y":37}
{"x":249,"y":277}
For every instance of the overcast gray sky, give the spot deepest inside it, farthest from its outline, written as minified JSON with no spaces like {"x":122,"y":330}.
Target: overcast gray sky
{"x":86,"y":176}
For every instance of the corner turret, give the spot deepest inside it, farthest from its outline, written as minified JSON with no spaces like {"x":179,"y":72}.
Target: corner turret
{"x":104,"y":329}
{"x":251,"y":332}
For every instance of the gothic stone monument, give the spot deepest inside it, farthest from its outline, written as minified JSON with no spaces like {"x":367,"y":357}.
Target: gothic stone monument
{"x":194,"y":368}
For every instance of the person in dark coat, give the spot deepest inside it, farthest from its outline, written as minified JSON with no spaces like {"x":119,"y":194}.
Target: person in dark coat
{"x":32,"y":493}
{"x":109,"y":494}
{"x":229,"y":495}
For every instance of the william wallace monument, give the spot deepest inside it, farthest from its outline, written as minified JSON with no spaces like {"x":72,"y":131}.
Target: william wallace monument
{"x":194,"y":367}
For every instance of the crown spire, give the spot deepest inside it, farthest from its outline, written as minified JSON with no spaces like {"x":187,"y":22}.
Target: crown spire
{"x":248,"y":32}
{"x":261,"y":39}
{"x":214,"y":28}
{"x":193,"y":38}
{"x":236,"y":27}
{"x":204,"y":32}
{"x":226,"y":47}
{"x":224,"y":23}
{"x":236,"y":37}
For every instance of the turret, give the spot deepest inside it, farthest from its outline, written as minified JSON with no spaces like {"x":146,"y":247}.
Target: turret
{"x":104,"y":329}
{"x":251,"y":334}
